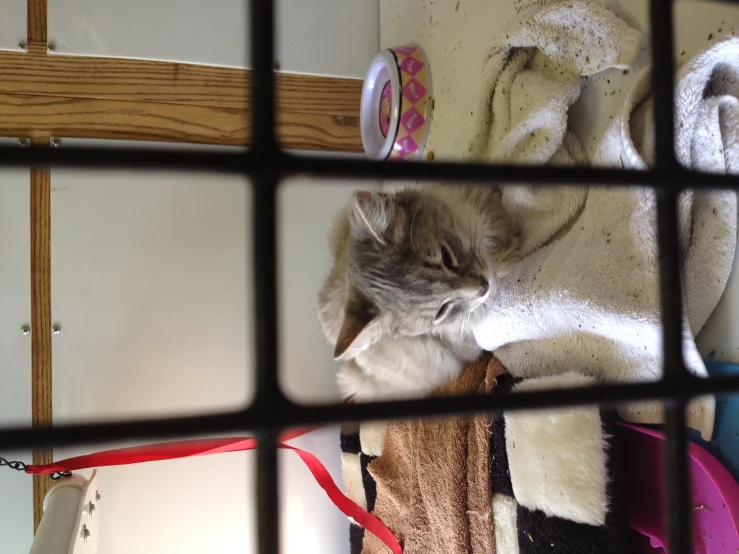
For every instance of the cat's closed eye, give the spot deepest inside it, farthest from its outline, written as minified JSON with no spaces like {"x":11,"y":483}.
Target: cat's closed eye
{"x":447,"y":258}
{"x":443,"y":311}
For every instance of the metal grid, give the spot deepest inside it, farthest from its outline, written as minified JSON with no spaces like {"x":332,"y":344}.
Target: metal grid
{"x":266,"y":164}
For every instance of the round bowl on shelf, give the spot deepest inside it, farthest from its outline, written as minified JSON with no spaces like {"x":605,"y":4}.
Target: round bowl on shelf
{"x":395,"y":109}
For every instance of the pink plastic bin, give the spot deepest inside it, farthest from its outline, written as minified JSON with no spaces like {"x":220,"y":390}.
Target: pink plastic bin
{"x":714,"y":495}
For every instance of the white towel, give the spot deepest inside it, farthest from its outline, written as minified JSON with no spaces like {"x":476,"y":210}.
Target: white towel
{"x":586,"y":296}
{"x":532,"y":75}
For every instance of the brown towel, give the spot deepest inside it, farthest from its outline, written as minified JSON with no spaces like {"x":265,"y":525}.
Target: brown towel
{"x":433,"y":478}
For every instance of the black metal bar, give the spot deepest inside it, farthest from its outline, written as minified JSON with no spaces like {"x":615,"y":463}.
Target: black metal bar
{"x":663,"y":77}
{"x":661,"y":24}
{"x":263,"y":80}
{"x":129,"y":158}
{"x":678,"y":510}
{"x":267,"y":494}
{"x":663,"y":87}
{"x":679,"y":528}
{"x":264,"y":231}
{"x":670,"y":286}
{"x":287,"y":166}
{"x":676,"y":178}
{"x":295,"y":415}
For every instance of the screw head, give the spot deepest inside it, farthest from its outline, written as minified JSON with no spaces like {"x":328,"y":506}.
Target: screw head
{"x":97,"y":497}
{"x":24,"y":142}
{"x":23,"y":46}
{"x":56,"y":328}
{"x":26,"y":329}
{"x":90,"y":509}
{"x":55,"y":142}
{"x":84,"y":534}
{"x":50,"y":47}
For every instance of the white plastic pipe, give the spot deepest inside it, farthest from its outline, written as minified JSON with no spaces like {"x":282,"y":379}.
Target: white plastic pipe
{"x":61,"y":508}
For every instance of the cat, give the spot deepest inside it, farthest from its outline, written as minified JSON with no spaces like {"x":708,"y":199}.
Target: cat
{"x":412,"y":271}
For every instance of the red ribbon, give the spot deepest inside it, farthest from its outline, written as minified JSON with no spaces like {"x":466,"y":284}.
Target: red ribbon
{"x":205,"y":447}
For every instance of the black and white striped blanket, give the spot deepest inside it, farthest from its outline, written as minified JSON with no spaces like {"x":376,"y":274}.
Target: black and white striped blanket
{"x":555,"y":476}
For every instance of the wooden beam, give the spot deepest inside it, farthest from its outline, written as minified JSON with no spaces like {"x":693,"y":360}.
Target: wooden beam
{"x":41,"y":404}
{"x":37,"y":33}
{"x":45,"y":116}
{"x":171,"y":83}
{"x":72,"y":96}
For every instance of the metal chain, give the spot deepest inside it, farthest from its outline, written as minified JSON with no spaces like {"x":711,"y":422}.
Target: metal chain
{"x":18,"y":466}
{"x":21,"y":466}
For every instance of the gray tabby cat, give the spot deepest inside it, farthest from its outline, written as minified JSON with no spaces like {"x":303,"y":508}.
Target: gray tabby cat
{"x":412,"y":272}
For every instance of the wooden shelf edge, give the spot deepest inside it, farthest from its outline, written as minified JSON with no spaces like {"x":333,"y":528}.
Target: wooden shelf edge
{"x":170,"y":83}
{"x":48,"y":116}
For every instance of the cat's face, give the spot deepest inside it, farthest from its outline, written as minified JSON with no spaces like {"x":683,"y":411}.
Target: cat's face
{"x":411,"y":267}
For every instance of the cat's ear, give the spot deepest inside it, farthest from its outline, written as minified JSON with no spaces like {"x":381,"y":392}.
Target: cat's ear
{"x":359,"y":315}
{"x":372,"y":215}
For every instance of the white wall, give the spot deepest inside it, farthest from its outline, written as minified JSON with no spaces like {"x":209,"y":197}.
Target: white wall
{"x":343,"y":34}
{"x":150,"y":283}
{"x":13,"y":27}
{"x":150,"y":280}
{"x":306,"y":210}
{"x":16,"y":508}
{"x":151,"y":276}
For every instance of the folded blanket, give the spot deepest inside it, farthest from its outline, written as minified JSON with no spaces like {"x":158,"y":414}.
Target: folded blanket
{"x":559,"y":477}
{"x":586,"y":296}
{"x":532,"y":482}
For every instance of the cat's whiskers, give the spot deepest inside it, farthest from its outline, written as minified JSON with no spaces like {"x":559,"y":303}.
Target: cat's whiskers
{"x":472,"y":232}
{"x":465,"y":322}
{"x":413,"y":221}
{"x":419,"y":211}
{"x":462,"y":335}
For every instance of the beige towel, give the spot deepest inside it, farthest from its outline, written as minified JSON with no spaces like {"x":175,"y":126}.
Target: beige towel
{"x":586,"y":296}
{"x":433,"y":478}
{"x":532,"y":75}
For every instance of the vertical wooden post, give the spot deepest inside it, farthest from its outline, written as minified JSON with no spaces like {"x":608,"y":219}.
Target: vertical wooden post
{"x":41,"y":403}
{"x":37,"y":34}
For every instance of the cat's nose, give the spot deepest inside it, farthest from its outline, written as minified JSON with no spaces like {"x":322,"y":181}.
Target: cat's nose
{"x":485,"y":287}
